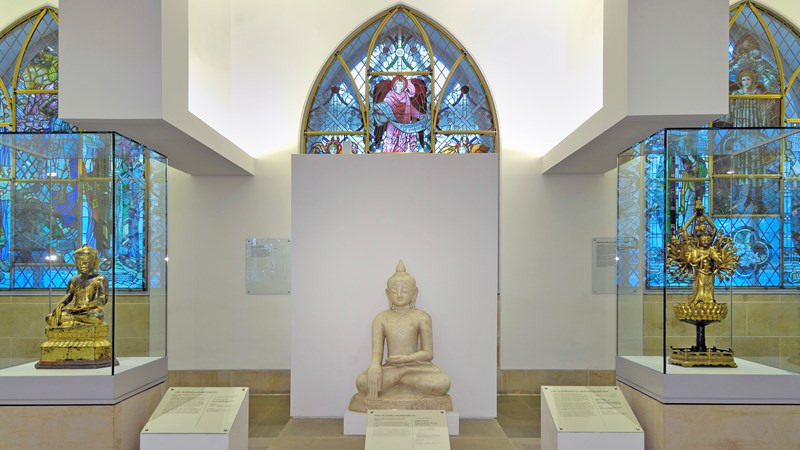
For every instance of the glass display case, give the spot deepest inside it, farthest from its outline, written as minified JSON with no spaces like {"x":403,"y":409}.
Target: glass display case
{"x":747,"y":184}
{"x":59,"y":192}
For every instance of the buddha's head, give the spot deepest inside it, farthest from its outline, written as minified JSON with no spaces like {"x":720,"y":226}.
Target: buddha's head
{"x":401,"y":288}
{"x":86,"y":259}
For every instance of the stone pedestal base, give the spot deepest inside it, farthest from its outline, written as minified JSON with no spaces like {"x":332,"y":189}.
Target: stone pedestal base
{"x":76,"y":347}
{"x":684,"y":426}
{"x":85,"y":427}
{"x":399,"y":397}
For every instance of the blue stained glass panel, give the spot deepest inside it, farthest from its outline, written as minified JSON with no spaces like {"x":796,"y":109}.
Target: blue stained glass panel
{"x":5,"y":234}
{"x":59,"y":190}
{"x":464,"y":106}
{"x":655,"y":220}
{"x":753,"y":51}
{"x":354,"y":53}
{"x":331,"y":144}
{"x":792,"y":95}
{"x":96,"y":214}
{"x":400,"y":47}
{"x":445,"y":53}
{"x":629,"y":224}
{"x":757,"y":242}
{"x":5,"y":109}
{"x":752,"y":195}
{"x":32,"y":225}
{"x":39,"y":112}
{"x":788,"y":44}
{"x":792,"y":156}
{"x":395,"y":87}
{"x":791,"y":233}
{"x":10,"y":47}
{"x":336,"y":104}
{"x":464,"y":143}
{"x":39,"y":67}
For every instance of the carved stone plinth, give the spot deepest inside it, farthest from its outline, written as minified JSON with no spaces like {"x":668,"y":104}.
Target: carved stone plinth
{"x":400,"y":397}
{"x":82,"y":346}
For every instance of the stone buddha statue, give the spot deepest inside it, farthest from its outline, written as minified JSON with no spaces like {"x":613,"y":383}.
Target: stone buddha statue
{"x":77,"y":335}
{"x":406,"y":378}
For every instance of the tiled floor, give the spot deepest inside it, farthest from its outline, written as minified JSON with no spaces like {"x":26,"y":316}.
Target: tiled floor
{"x":516,"y":428}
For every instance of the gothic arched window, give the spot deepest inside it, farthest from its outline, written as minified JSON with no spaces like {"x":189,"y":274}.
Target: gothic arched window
{"x":757,"y":200}
{"x":48,"y":205}
{"x":400,"y":83}
{"x":29,"y":74}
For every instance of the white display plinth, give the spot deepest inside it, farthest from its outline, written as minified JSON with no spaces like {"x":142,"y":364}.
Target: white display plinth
{"x":355,"y":423}
{"x":580,"y":417}
{"x":199,"y":419}
{"x":749,"y":383}
{"x":24,"y":384}
{"x":338,"y":285}
{"x":389,"y":429}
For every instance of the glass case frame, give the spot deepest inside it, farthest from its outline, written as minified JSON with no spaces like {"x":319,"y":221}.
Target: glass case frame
{"x":746,"y":180}
{"x":59,"y":191}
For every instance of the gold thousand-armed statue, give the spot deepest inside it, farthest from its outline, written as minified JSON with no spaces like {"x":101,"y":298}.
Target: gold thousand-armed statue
{"x":77,"y":335}
{"x":700,"y":256}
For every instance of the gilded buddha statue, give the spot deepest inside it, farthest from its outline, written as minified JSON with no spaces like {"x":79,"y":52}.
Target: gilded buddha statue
{"x":407,"y":377}
{"x":77,"y":335}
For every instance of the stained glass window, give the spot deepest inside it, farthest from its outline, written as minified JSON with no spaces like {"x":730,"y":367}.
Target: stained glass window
{"x":52,"y":203}
{"x":754,"y":196}
{"x":400,"y":84}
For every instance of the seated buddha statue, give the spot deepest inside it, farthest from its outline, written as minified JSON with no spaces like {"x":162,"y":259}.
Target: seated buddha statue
{"x":86,"y":294}
{"x":407,"y":377}
{"x":77,"y":335}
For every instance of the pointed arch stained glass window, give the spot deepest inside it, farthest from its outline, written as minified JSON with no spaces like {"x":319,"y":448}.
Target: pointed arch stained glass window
{"x":49,"y":204}
{"x":758,"y":198}
{"x":400,"y":84}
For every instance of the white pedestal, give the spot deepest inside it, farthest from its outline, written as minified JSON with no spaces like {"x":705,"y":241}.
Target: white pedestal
{"x":355,"y":423}
{"x":26,"y":385}
{"x":199,"y":419}
{"x":579,"y":417}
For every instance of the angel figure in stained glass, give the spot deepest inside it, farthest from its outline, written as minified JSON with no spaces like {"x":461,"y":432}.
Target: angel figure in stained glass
{"x":400,"y":114}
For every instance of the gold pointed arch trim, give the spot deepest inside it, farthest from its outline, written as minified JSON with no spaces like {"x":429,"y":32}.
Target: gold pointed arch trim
{"x":319,"y":130}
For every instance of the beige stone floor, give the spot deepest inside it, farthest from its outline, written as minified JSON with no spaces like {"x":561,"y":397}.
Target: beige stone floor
{"x":516,"y":428}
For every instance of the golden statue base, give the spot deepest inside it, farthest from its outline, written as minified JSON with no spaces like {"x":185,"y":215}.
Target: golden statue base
{"x":79,"y":346}
{"x":700,"y":312}
{"x":688,"y":357}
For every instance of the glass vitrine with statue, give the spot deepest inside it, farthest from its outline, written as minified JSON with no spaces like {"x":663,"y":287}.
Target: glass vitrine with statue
{"x":708,"y":246}
{"x":83,"y":249}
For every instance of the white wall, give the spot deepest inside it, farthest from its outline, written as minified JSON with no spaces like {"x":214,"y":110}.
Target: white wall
{"x":14,"y":10}
{"x":528,"y":52}
{"x":140,"y":93}
{"x":353,"y":218}
{"x":213,"y":323}
{"x":549,"y":318}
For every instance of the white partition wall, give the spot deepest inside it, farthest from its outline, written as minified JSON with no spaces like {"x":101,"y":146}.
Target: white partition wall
{"x":353,"y":217}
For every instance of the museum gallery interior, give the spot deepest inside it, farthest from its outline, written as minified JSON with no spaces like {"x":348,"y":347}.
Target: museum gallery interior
{"x":581,"y":200}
